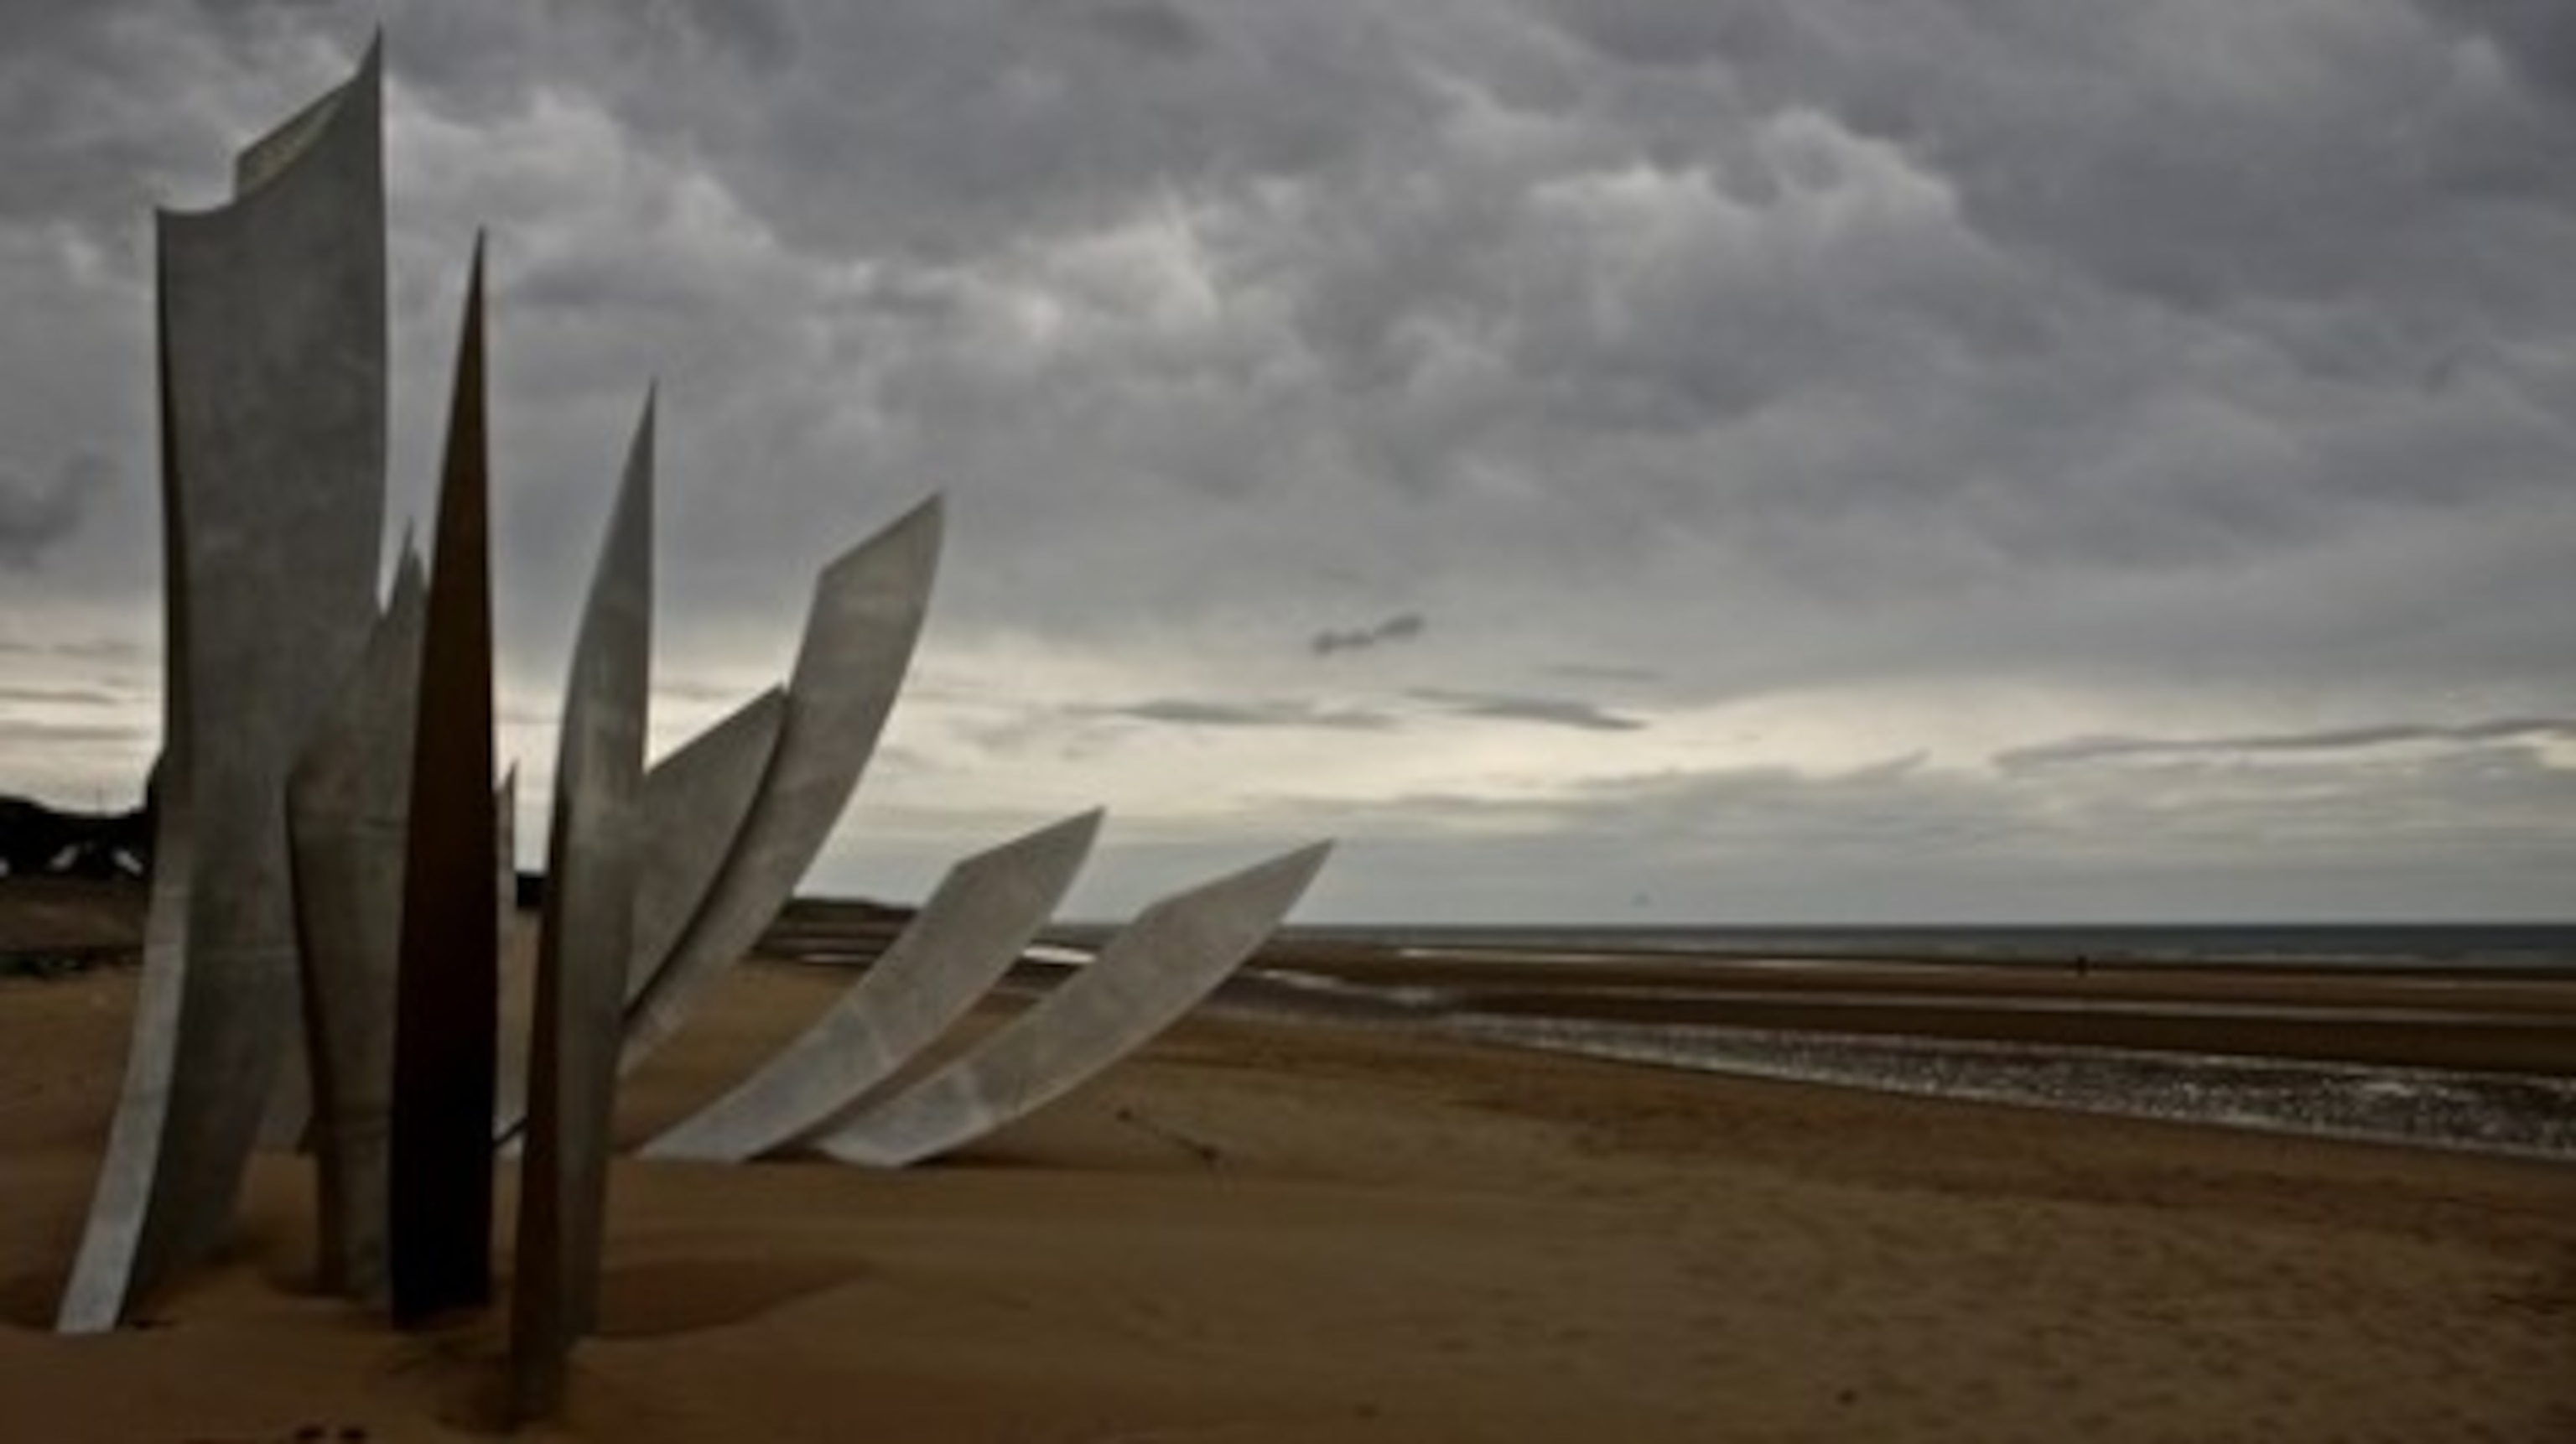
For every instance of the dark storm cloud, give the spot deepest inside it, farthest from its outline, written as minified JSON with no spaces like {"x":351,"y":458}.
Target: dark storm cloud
{"x":2076,"y":750}
{"x":2199,"y":155}
{"x":2537,"y":36}
{"x":108,"y":111}
{"x":1549,"y":711}
{"x":942,"y":129}
{"x":36,"y":516}
{"x":2093,"y":351}
{"x":60,"y":69}
{"x":1402,"y":627}
{"x":1186,"y":712}
{"x":1473,"y":190}
{"x":1151,"y":28}
{"x":1773,"y":278}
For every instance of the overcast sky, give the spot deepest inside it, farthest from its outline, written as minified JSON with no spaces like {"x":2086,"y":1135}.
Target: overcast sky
{"x":1627,"y":460}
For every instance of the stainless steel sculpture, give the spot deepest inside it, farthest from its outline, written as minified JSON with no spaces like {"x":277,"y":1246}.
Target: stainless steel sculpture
{"x":974,"y":925}
{"x":330,"y":843}
{"x":1143,"y":980}
{"x":346,"y":805}
{"x":272,"y":378}
{"x":439,"y":1219}
{"x":859,"y":637}
{"x":591,"y":869}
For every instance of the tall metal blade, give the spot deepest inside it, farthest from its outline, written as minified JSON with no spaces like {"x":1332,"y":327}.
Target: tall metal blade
{"x":272,"y":376}
{"x":581,"y":953}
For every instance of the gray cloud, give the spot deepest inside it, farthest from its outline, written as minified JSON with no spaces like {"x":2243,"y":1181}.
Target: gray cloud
{"x":1151,"y":28}
{"x":1183,"y":712}
{"x":2094,"y":354}
{"x":695,"y":690}
{"x":1403,"y":627}
{"x":1550,"y":711}
{"x":2266,"y":172}
{"x":105,"y":649}
{"x":984,"y":117}
{"x":1502,"y":263}
{"x":2538,"y":37}
{"x":1900,"y":841}
{"x":1604,"y":672}
{"x":36,"y":517}
{"x":65,"y":696}
{"x":2076,"y":750}
{"x":34,"y":733}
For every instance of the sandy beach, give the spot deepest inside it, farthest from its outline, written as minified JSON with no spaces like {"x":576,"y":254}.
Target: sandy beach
{"x":1269,"y":1229}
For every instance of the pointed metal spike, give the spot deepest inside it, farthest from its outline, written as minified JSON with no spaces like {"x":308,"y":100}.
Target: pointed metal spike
{"x":439,"y":1217}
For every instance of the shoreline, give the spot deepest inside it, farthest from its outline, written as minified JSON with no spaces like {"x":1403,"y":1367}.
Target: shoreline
{"x":2434,"y":1056}
{"x":2520,"y":1116}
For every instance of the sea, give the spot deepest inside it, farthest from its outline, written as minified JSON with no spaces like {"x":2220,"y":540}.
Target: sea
{"x":2538,"y":946}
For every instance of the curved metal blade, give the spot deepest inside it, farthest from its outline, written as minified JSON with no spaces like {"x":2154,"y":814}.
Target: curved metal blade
{"x":1152,"y":972}
{"x":582,"y":947}
{"x":859,"y":637}
{"x":695,"y":803}
{"x":972,"y":928}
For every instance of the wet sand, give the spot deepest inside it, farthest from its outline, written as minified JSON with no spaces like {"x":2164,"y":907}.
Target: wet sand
{"x":1266,"y":1229}
{"x":2517,"y":1021}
